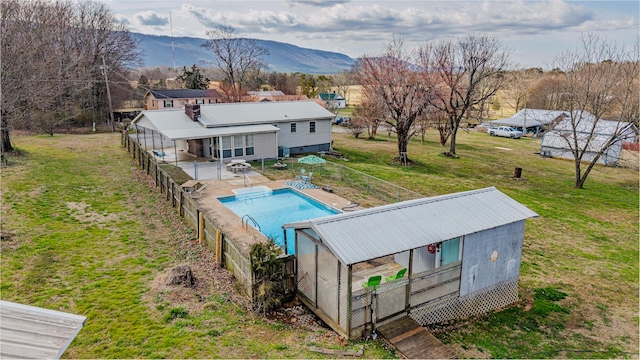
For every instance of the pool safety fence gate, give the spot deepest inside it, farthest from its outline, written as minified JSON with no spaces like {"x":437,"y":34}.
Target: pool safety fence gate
{"x":228,"y":253}
{"x":331,"y":172}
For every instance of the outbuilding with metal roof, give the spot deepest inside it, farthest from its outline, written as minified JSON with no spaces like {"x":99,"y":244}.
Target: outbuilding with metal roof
{"x":438,"y":258}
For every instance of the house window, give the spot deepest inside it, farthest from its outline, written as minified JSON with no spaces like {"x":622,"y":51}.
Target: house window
{"x":168,"y":103}
{"x":248,"y":143}
{"x":293,"y":128}
{"x":199,"y":101}
{"x":312,"y":127}
{"x":237,"y":146}
{"x":226,"y":146}
{"x":450,"y":251}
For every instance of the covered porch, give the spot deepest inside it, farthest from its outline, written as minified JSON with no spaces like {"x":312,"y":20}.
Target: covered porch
{"x":362,"y":269}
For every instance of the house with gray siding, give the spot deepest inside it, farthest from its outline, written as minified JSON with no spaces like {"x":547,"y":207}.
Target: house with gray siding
{"x":461,"y":254}
{"x":249,"y":131}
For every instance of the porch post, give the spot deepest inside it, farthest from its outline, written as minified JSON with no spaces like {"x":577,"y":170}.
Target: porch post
{"x":161,"y":147}
{"x":349,"y":283}
{"x":153,"y":138}
{"x":175,"y":150}
{"x":315,"y":300}
{"x":407,"y":301}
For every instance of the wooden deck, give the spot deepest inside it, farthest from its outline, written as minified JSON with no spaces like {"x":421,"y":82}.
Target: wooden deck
{"x":414,"y":341}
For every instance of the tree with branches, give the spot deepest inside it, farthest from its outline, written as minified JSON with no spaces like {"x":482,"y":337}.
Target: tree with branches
{"x":51,"y":58}
{"x":600,"y":80}
{"x":193,"y":78}
{"x":519,"y":83}
{"x":402,"y":90}
{"x":467,"y":73}
{"x":236,"y":57}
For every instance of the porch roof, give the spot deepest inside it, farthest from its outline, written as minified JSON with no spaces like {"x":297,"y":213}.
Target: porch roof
{"x":390,"y":229}
{"x":176,"y":125}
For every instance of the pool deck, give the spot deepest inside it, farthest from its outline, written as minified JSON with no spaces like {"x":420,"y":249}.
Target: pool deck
{"x":231,"y":224}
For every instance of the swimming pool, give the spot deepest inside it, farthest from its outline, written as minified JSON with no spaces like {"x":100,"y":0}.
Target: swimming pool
{"x":272,"y":209}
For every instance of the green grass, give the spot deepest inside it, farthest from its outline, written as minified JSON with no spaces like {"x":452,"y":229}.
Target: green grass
{"x":83,"y":232}
{"x":584,"y":244}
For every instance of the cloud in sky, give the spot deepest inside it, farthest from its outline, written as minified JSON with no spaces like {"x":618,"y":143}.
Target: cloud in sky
{"x":318,"y":3}
{"x":356,"y":27}
{"x":151,"y":18}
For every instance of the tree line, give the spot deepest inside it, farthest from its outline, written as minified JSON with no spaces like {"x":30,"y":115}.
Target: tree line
{"x":53,"y":57}
{"x":53,"y":75}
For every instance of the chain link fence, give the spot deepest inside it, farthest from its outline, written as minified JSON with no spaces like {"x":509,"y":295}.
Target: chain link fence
{"x":340,"y":179}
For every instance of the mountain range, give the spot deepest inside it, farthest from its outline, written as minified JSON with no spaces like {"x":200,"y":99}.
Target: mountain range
{"x":282,"y":57}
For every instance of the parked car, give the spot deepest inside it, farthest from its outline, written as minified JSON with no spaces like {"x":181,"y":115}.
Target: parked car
{"x":505,"y":131}
{"x":341,"y":120}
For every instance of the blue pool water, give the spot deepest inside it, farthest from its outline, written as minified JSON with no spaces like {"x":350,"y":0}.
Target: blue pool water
{"x":273,"y":209}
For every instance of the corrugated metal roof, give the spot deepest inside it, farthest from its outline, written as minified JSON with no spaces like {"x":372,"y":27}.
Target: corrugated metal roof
{"x":213,"y":115}
{"x":330,"y":96}
{"x":176,"y":125}
{"x":533,"y":117}
{"x":184,"y":93}
{"x":30,"y":332}
{"x":372,"y":233}
{"x":585,"y":122}
{"x":266,"y":93}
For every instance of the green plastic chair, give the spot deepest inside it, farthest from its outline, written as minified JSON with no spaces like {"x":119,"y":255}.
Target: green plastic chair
{"x":372,"y":282}
{"x":397,"y":276}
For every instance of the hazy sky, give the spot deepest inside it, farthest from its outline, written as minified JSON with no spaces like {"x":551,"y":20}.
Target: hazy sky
{"x":536,"y":31}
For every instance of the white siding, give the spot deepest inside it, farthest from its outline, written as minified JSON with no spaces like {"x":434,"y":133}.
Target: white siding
{"x":265,"y":146}
{"x":302,"y":136}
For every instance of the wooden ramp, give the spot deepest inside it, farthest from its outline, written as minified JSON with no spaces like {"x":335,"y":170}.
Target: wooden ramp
{"x":414,"y":341}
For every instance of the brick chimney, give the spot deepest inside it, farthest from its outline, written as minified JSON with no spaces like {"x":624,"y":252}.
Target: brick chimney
{"x":192,"y":111}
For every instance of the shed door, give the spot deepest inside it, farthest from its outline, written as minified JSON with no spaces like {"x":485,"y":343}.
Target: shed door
{"x":450,"y":251}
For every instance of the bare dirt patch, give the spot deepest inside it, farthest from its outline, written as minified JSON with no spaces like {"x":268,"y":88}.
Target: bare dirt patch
{"x":81,"y":213}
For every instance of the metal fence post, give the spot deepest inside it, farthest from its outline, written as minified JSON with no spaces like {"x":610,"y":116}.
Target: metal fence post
{"x":195,"y":170}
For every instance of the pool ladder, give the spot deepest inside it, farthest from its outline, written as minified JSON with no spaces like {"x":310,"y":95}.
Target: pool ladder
{"x":245,"y":222}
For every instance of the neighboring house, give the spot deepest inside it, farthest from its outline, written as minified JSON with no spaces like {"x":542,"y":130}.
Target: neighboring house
{"x":249,"y":131}
{"x":592,"y":137}
{"x":170,"y":99}
{"x":333,"y":100}
{"x":455,"y":269}
{"x":535,"y":120}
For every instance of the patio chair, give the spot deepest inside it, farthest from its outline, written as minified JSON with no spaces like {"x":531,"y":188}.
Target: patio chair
{"x":308,"y":177}
{"x":302,"y":172}
{"x":373,"y":282}
{"x":397,"y":276}
{"x":197,"y":193}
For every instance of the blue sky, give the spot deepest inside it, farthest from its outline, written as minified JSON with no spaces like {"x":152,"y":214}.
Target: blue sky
{"x":536,"y":31}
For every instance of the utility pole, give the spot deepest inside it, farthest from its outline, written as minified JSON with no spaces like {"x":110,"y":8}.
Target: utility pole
{"x":106,"y":81}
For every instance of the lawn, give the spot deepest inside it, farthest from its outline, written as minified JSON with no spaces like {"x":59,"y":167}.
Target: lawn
{"x":584,"y":244}
{"x":82,"y":231}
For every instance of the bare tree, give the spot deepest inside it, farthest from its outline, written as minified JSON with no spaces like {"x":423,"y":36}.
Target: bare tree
{"x":547,"y":92}
{"x":600,"y":80}
{"x":400,"y":87}
{"x":342,"y":83}
{"x":519,"y":83}
{"x":236,"y":57}
{"x":356,"y":126}
{"x":51,"y":57}
{"x":371,"y":113}
{"x":469,"y":71}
